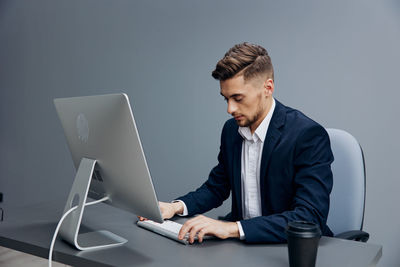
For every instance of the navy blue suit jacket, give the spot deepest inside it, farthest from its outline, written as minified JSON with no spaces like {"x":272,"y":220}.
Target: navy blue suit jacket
{"x":295,"y":177}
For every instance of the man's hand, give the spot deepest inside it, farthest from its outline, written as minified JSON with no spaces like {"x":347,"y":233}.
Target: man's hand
{"x":168,"y":210}
{"x":202,"y":225}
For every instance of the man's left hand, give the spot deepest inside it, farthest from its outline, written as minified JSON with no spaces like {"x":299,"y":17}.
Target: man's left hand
{"x":202,"y":225}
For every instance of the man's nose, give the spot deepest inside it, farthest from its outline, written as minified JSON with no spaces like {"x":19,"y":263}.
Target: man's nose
{"x":231,"y":107}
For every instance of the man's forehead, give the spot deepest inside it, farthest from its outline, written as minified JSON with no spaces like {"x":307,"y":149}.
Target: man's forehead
{"x":232,"y":92}
{"x":230,"y":88}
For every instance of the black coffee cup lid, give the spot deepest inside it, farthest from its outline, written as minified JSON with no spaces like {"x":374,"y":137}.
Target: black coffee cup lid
{"x":303,"y":229}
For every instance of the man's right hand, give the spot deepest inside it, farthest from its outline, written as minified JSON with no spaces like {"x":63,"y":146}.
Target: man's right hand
{"x":168,"y":210}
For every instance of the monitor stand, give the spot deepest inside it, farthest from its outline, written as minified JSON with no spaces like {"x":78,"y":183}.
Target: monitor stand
{"x":69,"y":230}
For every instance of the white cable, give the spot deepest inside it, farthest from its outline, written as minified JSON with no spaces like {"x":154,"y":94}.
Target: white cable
{"x":61,"y":221}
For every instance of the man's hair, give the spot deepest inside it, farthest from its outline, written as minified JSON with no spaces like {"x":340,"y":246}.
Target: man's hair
{"x":248,"y":59}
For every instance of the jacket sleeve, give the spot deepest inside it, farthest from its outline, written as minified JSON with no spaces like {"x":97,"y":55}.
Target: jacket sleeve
{"x":312,"y":184}
{"x":214,"y":191}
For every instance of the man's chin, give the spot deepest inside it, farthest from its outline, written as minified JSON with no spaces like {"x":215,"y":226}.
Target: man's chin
{"x":242,"y":123}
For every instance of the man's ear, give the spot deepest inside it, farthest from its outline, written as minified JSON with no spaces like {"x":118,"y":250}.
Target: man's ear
{"x":269,"y":86}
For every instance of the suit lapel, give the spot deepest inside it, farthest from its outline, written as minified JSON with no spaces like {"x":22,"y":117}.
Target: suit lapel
{"x":237,"y":170}
{"x":271,"y":139}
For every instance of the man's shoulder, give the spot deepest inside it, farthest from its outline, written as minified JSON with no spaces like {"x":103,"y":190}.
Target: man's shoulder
{"x":230,"y":131}
{"x":231,"y":125}
{"x":296,"y":121}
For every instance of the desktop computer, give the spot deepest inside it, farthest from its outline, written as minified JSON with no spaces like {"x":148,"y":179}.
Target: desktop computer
{"x":106,"y":150}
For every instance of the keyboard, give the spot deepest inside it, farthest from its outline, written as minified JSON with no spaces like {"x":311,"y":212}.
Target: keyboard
{"x":168,"y":229}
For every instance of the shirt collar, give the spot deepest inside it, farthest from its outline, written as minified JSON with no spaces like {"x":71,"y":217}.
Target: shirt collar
{"x":261,"y":130}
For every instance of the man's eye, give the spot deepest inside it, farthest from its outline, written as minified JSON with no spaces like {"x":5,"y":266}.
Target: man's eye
{"x":238,"y":99}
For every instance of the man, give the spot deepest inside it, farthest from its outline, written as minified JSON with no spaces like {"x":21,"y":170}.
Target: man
{"x":274,"y":160}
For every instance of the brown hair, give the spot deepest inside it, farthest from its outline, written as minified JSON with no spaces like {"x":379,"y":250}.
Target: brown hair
{"x":251,"y":59}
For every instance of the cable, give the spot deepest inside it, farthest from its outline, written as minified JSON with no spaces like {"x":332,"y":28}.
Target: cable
{"x":61,"y":221}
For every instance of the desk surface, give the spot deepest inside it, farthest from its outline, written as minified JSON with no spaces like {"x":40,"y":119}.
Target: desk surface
{"x":30,"y":229}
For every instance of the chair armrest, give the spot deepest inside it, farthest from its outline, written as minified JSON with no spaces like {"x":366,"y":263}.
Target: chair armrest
{"x":356,"y":235}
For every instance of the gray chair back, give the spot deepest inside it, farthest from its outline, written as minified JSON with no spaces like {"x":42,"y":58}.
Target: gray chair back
{"x":347,"y":201}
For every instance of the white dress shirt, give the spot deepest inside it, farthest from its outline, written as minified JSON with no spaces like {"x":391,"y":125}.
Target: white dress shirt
{"x":252,"y":147}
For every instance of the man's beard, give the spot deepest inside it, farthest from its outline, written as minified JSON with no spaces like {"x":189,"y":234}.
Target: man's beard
{"x":248,"y":122}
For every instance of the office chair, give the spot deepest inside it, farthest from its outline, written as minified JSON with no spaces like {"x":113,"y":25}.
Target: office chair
{"x":347,"y":200}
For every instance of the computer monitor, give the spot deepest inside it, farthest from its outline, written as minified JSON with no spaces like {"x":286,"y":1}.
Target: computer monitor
{"x":106,"y":150}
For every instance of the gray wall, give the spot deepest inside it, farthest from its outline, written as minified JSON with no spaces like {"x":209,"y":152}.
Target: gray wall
{"x":336,"y":61}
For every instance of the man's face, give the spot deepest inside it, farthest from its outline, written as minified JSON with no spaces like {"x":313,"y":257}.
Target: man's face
{"x":248,"y":101}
